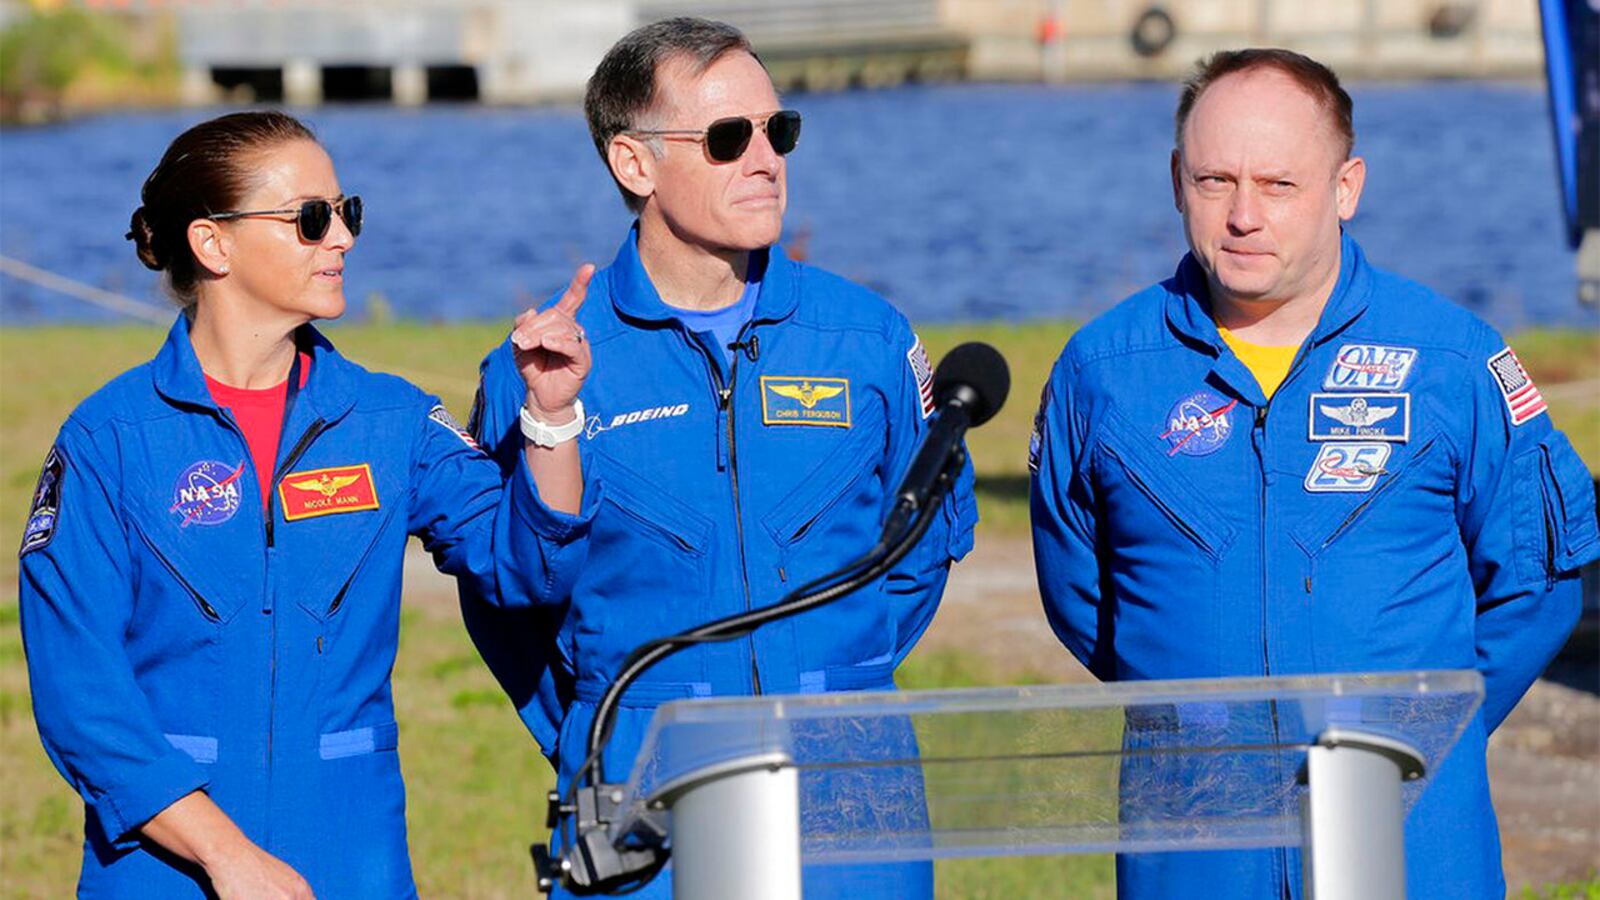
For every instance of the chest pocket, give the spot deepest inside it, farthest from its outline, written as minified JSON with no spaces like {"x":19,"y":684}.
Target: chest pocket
{"x":1129,"y":464}
{"x":1321,"y":532}
{"x":830,"y":516}
{"x":211,"y":570}
{"x":647,"y":571}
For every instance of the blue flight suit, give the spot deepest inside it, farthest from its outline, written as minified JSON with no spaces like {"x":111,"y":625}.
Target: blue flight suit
{"x":177,"y":640}
{"x":713,"y":487}
{"x":1402,"y":503}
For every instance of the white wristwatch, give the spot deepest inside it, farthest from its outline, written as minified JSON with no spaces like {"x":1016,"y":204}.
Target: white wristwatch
{"x":543,"y":435}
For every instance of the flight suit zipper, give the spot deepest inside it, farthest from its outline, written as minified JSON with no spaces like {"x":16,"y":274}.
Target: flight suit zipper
{"x":725,"y":413}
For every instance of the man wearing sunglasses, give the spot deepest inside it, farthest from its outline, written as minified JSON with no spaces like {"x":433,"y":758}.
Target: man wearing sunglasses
{"x":741,"y":432}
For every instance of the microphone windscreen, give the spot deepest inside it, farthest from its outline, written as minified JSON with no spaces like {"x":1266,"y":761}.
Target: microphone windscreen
{"x":976,"y":369}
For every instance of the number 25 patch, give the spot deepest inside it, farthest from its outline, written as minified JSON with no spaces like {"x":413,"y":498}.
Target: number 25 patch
{"x":1348,"y":468}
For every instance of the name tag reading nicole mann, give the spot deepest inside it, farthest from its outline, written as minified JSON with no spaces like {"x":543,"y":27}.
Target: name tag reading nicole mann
{"x":322,"y":492}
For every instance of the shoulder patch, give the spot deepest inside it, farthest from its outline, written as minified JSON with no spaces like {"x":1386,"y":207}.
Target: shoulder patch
{"x":1036,"y":441}
{"x":917,"y":356}
{"x":475,"y":415}
{"x":442,"y":416}
{"x":45,"y":513}
{"x":1522,"y":397}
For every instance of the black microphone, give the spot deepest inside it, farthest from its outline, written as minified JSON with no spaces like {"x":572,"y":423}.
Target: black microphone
{"x":969,"y":387}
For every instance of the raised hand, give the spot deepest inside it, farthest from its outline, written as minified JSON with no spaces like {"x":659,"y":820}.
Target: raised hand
{"x":552,"y":352}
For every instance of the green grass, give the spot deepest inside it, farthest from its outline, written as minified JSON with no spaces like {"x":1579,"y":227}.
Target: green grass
{"x":476,"y":782}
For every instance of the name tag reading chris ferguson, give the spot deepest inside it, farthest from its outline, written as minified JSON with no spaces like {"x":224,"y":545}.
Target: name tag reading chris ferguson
{"x":805,"y":401}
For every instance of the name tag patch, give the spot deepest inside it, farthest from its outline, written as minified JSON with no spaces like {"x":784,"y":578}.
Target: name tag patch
{"x":1347,"y":468}
{"x":1370,"y":367}
{"x":802,"y":400}
{"x":322,"y":492}
{"x":1371,"y":417}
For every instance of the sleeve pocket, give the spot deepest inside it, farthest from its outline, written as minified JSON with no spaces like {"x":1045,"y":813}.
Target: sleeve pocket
{"x":1556,"y":526}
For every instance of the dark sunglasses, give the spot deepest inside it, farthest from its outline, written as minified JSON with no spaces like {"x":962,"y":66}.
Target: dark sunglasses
{"x":727,"y":139}
{"x":312,"y":217}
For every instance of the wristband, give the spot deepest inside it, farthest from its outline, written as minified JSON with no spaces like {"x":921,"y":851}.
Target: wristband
{"x":543,"y":435}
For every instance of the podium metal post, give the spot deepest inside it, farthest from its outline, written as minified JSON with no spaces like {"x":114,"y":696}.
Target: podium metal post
{"x":1354,"y":816}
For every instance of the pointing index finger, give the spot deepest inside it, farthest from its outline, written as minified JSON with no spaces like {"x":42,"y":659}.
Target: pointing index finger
{"x":577,"y":290}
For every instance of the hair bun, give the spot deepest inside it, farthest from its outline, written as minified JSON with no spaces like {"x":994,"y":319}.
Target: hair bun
{"x":144,"y":242}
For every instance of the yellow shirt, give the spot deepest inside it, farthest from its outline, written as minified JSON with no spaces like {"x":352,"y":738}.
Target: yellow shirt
{"x":1270,"y":365}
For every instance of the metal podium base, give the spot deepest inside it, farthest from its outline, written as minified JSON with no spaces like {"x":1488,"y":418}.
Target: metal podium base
{"x":736,"y":830}
{"x":1354,"y":816}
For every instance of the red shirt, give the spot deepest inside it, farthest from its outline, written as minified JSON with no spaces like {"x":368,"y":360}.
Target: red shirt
{"x":259,"y":414}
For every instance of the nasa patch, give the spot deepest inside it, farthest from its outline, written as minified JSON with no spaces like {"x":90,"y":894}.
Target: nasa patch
{"x":1369,"y":367}
{"x":1347,"y":468}
{"x":441,"y":416}
{"x":1369,"y":417}
{"x":206,"y":493}
{"x":1199,"y":424}
{"x":45,"y":513}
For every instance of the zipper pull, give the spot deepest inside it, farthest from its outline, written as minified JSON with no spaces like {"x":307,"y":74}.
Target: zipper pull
{"x":1261,"y":417}
{"x":724,"y":396}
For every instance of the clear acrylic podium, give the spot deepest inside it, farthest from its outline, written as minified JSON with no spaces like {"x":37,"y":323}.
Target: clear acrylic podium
{"x":747,"y":788}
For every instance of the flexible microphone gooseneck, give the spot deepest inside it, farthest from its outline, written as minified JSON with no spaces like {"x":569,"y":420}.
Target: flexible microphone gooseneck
{"x":969,"y":387}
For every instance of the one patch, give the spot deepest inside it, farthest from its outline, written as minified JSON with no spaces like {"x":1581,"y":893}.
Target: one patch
{"x":45,"y":513}
{"x":323,"y":492}
{"x":207,"y":493}
{"x":1036,"y":440}
{"x":1370,"y":367}
{"x":1347,"y":468}
{"x":923,"y":372}
{"x":797,"y":400}
{"x":597,"y":424}
{"x":1199,"y":424}
{"x":1368,"y":417}
{"x":1523,"y":399}
{"x":442,"y":416}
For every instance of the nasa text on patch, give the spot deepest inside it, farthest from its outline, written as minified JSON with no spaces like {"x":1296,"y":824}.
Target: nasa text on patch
{"x":1199,"y":424}
{"x":1523,"y":399}
{"x":45,"y":513}
{"x":442,"y":416}
{"x":207,"y":493}
{"x":1363,"y":417}
{"x":804,"y":400}
{"x":1369,"y":367}
{"x":323,"y":492}
{"x":1347,"y":468}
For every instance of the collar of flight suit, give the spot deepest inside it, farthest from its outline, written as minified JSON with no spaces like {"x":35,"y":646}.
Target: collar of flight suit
{"x":1188,"y":314}
{"x":634,"y":295}
{"x":328,"y":393}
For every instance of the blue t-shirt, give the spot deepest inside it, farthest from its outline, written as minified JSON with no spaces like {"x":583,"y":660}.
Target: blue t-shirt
{"x":723,"y":324}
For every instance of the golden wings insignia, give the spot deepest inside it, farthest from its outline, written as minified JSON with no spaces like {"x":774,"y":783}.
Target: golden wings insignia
{"x":808,"y":395}
{"x":327,"y":486}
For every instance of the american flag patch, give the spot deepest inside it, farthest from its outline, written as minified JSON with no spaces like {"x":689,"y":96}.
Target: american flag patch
{"x":1522,"y":397}
{"x":918,"y":357}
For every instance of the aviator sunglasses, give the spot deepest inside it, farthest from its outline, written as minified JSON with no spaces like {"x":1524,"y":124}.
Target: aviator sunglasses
{"x":312,"y":217}
{"x":727,"y":139}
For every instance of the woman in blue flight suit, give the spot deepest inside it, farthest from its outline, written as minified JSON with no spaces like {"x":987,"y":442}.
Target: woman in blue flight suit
{"x":210,"y":609}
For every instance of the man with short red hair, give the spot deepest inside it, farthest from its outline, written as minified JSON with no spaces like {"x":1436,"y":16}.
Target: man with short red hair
{"x":1284,"y":460}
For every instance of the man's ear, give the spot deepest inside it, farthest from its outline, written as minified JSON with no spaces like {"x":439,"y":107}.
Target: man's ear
{"x":633,"y":164}
{"x":1352,"y":176}
{"x":1177,"y":179}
